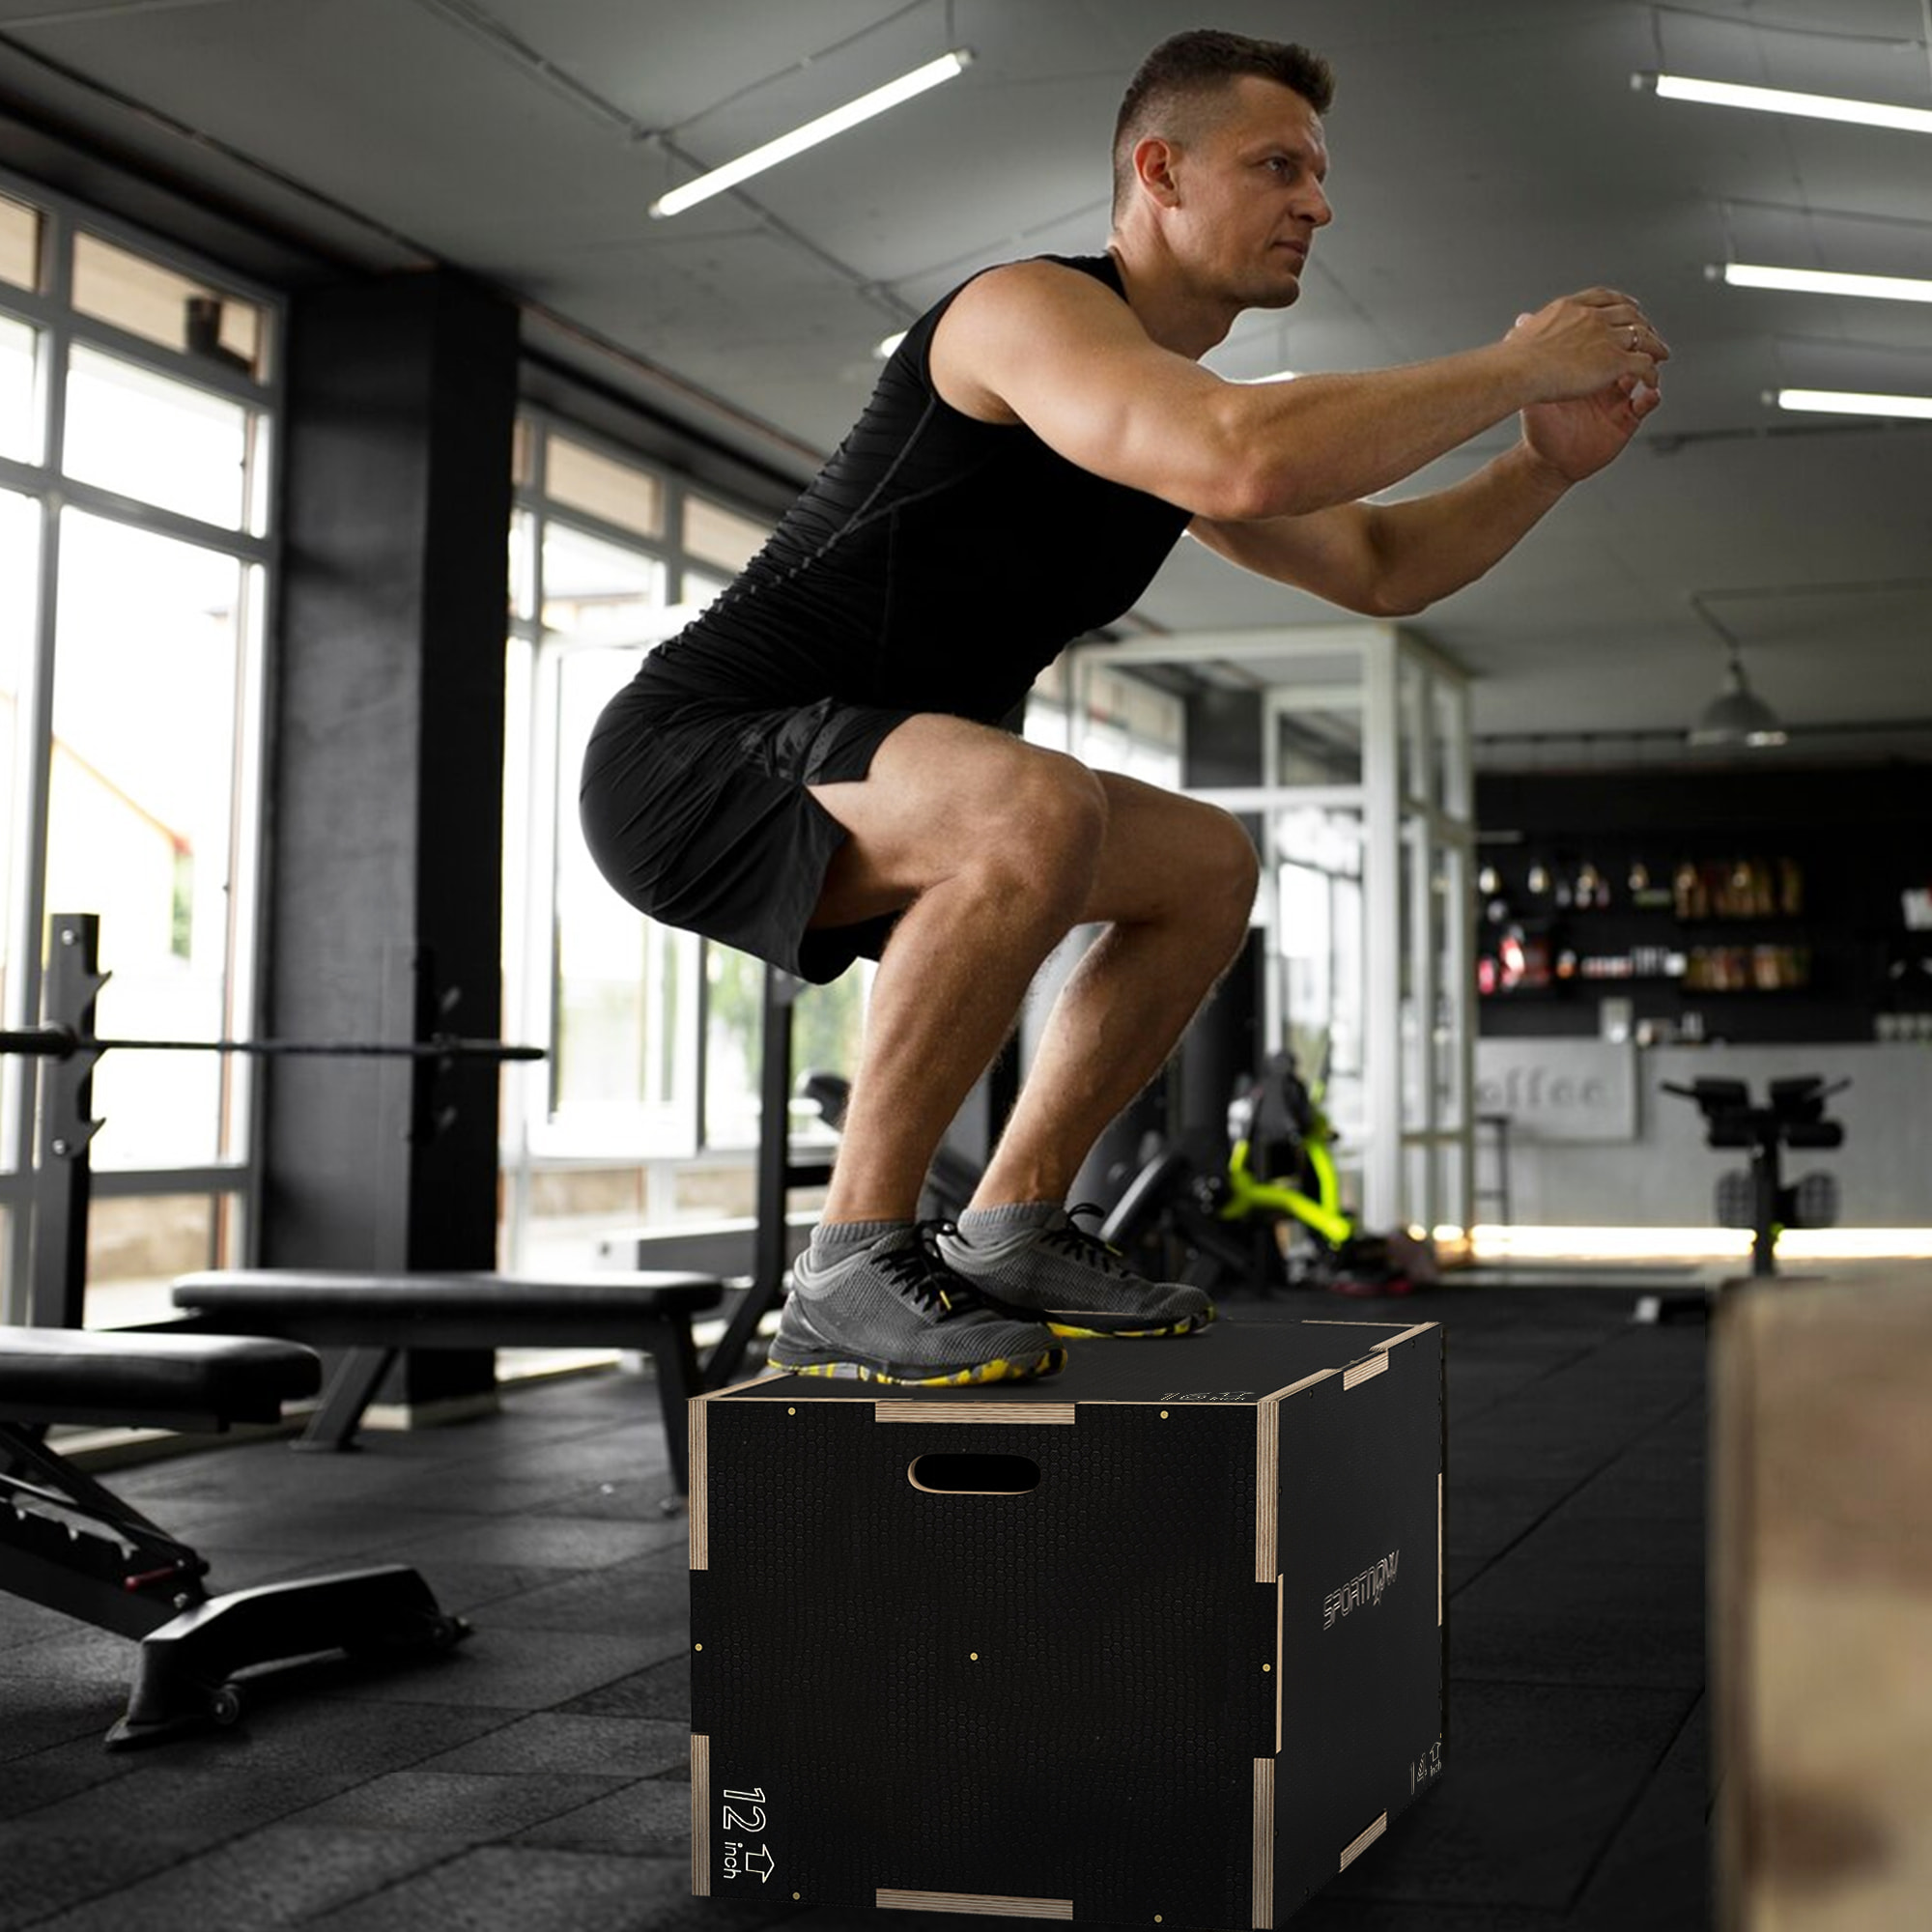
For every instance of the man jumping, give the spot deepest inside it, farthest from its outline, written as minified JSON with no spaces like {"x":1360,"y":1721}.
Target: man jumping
{"x":813,"y":772}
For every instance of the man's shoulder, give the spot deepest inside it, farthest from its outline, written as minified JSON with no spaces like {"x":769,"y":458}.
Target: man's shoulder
{"x":1053,"y":271}
{"x":1036,"y":289}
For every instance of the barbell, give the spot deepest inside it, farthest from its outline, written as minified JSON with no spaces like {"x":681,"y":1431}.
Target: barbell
{"x":62,"y":1043}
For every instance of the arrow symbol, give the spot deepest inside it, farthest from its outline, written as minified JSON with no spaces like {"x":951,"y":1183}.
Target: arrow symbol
{"x":753,"y":1860}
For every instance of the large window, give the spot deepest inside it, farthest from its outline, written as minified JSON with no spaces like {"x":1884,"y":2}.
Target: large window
{"x":137,"y":399}
{"x":1127,"y":725}
{"x":647,"y":1108}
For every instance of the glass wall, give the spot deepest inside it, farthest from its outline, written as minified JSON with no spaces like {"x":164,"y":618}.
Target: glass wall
{"x":1117,"y":722}
{"x":1437,"y":835}
{"x":138,"y":397}
{"x":646,"y":1111}
{"x":1366,"y":832}
{"x":1318,"y":915}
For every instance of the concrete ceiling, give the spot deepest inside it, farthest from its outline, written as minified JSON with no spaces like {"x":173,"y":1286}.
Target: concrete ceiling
{"x":1488,"y":155}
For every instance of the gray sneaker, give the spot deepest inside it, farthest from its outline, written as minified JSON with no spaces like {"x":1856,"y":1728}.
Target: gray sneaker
{"x":896,"y":1312}
{"x":1074,"y":1282}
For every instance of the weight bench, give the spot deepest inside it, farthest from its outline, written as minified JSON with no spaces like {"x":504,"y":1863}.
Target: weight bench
{"x":69,"y":1543}
{"x":378,"y":1315}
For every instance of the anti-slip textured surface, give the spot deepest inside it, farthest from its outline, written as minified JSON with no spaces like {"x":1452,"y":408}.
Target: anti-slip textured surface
{"x":1248,"y":1352}
{"x":1063,"y":1688}
{"x":1364,"y":1621}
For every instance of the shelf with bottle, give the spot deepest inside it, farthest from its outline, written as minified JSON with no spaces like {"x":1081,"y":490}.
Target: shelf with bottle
{"x":1747,"y":969}
{"x":1526,"y":963}
{"x":1546,"y":889}
{"x":1738,"y":888}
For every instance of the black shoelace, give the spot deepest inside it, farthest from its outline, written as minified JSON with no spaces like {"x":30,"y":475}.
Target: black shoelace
{"x":919,"y":1269}
{"x":1086,"y":1246}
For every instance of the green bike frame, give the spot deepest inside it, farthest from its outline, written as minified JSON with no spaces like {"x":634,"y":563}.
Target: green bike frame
{"x":1321,"y":1212}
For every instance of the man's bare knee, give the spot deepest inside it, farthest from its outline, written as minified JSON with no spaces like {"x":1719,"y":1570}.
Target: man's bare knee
{"x":1173,"y":861}
{"x":1041,"y":834}
{"x":1231,"y":868}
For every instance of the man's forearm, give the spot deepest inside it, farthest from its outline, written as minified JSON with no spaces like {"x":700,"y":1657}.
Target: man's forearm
{"x":1432,"y":545}
{"x":1326,"y":439}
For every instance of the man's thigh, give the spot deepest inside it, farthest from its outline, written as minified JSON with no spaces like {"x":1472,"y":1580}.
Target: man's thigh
{"x":940,"y":792}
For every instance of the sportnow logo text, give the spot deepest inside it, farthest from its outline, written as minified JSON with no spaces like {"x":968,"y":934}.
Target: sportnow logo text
{"x":1365,"y":1589}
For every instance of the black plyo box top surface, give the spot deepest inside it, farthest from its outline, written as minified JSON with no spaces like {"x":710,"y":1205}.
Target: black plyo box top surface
{"x":1192,"y":1672}
{"x":1239,"y":1358}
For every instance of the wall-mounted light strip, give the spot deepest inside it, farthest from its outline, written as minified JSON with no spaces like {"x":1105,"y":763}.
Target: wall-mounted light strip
{"x":1849,"y":403}
{"x":1823,"y":282}
{"x":1781,"y":101}
{"x":1692,"y":1244}
{"x":758,"y":159}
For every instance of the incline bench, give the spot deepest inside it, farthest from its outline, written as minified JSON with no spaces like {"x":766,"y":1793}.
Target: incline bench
{"x":378,"y":1315}
{"x":70,"y":1543}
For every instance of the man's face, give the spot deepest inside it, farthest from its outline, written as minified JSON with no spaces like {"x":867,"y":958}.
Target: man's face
{"x":1249,"y":194}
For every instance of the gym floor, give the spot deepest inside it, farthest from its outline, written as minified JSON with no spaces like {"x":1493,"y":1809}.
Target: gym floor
{"x":538,"y":1776}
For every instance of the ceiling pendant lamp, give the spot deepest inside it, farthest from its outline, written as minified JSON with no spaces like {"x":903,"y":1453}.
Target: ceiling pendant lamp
{"x":1736,"y":717}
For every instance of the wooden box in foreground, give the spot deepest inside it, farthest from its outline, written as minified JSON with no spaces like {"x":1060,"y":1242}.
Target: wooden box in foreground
{"x":1821,"y":1602}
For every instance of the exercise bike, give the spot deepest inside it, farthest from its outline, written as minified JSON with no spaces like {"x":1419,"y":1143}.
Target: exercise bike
{"x":1266,"y":1210}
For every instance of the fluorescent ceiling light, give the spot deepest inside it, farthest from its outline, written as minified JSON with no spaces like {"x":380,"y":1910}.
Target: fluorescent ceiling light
{"x":1848,"y":402}
{"x":1781,"y":101}
{"x":813,"y":133}
{"x":1825,"y":282}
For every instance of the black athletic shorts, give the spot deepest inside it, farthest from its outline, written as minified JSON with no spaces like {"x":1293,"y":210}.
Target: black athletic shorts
{"x":695,"y":810}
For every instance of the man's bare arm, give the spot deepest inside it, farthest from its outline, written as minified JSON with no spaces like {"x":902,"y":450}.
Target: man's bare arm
{"x":1048,"y":346}
{"x":1394,"y":559}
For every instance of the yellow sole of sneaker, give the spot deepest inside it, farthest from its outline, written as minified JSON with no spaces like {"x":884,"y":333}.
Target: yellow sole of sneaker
{"x":999,"y":1369}
{"x":1188,"y":1326}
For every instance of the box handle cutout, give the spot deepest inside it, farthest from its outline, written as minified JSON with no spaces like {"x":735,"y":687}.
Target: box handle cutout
{"x":958,"y":1473}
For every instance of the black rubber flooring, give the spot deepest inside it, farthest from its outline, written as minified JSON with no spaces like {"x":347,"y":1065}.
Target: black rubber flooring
{"x":538,"y":1776}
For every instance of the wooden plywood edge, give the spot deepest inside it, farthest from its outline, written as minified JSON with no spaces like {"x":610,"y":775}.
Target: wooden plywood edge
{"x":697,"y":1493}
{"x":991,"y":1903}
{"x":701,"y":1816}
{"x":1261,"y":1878}
{"x":698,"y":1500}
{"x":1267,"y":1500}
{"x":1354,"y":1849}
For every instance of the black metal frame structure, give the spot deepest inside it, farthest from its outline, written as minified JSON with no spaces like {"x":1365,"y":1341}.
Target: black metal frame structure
{"x":68,"y":1541}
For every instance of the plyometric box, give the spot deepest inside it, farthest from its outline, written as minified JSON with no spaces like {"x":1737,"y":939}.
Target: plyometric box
{"x":1158,"y":1639}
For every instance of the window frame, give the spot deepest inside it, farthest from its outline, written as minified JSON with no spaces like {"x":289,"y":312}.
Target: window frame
{"x":534,"y":1132}
{"x":233,"y":1182}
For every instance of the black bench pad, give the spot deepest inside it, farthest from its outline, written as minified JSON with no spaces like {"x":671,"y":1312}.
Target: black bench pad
{"x":451,"y":1310}
{"x":129,"y":1378}
{"x":373,"y":1316}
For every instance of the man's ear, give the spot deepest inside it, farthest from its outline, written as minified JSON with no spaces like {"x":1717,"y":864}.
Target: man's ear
{"x":1153,"y":169}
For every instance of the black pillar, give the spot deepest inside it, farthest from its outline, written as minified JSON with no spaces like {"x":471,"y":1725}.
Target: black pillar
{"x":386,"y":823}
{"x":1224,"y":1044}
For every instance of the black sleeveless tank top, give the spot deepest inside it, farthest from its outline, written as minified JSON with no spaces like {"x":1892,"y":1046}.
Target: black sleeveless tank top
{"x":935,"y":564}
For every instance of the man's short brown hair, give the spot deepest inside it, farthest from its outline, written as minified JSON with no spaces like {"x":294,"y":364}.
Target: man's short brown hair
{"x":1183,"y":71}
